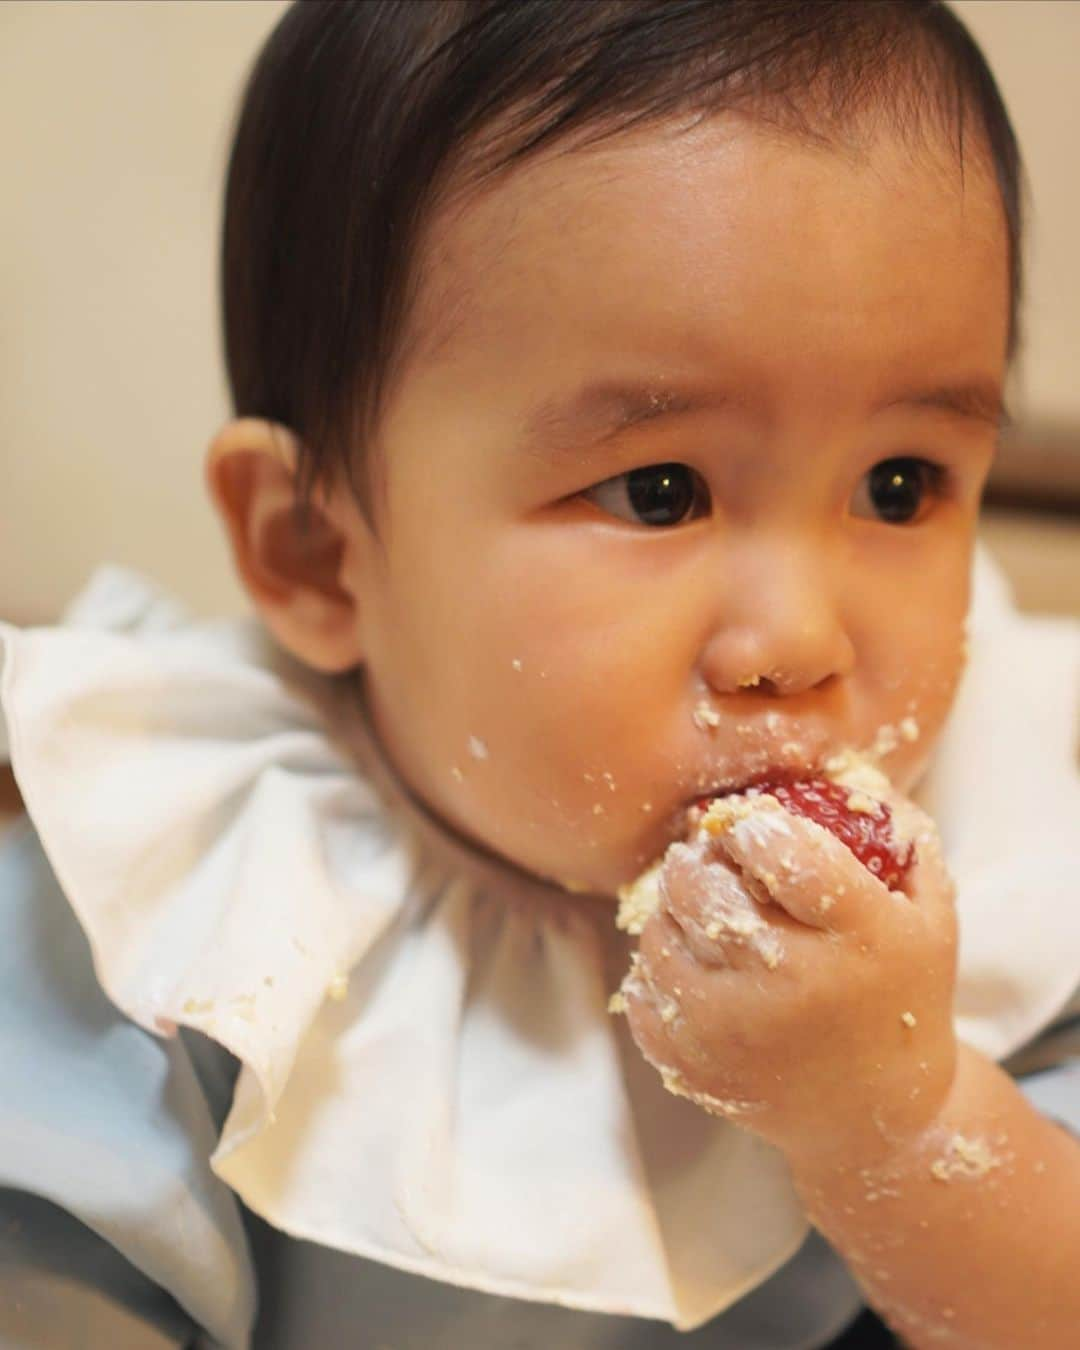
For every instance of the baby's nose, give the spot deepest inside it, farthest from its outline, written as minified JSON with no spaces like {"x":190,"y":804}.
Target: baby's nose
{"x":781,"y":631}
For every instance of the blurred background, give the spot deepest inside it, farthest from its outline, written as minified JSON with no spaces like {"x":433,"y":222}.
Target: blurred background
{"x":114,"y":128}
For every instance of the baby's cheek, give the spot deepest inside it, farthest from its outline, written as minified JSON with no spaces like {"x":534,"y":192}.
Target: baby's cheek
{"x":578,"y":774}
{"x":916,"y":681}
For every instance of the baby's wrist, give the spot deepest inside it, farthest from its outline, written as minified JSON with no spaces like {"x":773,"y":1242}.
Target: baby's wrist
{"x":906,"y":1112}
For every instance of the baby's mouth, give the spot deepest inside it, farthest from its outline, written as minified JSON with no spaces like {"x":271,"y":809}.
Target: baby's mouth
{"x":685,"y":817}
{"x":856,"y":769}
{"x":784,"y":770}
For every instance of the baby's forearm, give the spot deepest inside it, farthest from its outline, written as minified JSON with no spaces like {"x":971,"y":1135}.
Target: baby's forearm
{"x":970,"y":1236}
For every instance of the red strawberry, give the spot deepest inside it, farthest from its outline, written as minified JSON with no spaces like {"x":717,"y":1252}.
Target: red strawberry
{"x":870,"y":837}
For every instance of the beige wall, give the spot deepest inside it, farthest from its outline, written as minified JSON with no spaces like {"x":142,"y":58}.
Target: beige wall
{"x":1033,"y":47}
{"x":114,"y":127}
{"x":114,"y":124}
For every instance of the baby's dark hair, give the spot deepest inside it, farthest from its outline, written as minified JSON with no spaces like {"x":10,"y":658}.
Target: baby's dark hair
{"x":361,"y":117}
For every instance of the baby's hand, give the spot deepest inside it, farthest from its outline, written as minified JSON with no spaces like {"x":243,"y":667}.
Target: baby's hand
{"x":781,"y":984}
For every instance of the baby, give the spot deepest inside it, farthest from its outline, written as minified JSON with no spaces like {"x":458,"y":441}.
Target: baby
{"x":616,"y":384}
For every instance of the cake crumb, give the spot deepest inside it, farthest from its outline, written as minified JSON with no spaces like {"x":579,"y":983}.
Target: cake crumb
{"x":725,"y":812}
{"x":617,"y":1003}
{"x":674,"y":1082}
{"x":637,"y":900}
{"x":477,"y":748}
{"x":516,"y":663}
{"x":338,"y":987}
{"x":908,"y":1019}
{"x":749,"y":682}
{"x":677,"y":1085}
{"x":863,"y":803}
{"x":964,"y":1157}
{"x":909,"y":729}
{"x":855,"y":770}
{"x":706,"y":717}
{"x":244,"y":1006}
{"x":457,"y":775}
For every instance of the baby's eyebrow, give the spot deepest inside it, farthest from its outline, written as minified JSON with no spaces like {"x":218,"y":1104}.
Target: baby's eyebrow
{"x":603,"y":409}
{"x":977,"y":400}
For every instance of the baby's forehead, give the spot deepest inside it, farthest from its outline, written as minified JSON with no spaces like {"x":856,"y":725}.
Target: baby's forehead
{"x":724,"y":231}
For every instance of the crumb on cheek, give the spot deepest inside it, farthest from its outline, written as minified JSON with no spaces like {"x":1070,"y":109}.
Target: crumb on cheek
{"x":888,"y":737}
{"x":706,"y":718}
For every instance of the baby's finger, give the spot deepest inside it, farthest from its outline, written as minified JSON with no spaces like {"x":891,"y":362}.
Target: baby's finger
{"x":653,"y":997}
{"x":676,"y":1060}
{"x":722,"y":921}
{"x":929,"y":883}
{"x":803,"y":867}
{"x":644,"y":1007}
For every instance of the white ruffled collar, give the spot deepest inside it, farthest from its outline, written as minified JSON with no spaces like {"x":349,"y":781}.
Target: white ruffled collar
{"x":429,"y":1074}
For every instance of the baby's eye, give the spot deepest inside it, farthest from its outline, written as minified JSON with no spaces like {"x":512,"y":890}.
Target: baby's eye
{"x":896,"y":490}
{"x":660,"y":494}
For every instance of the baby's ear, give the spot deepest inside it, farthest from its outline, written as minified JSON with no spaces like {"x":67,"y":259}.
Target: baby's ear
{"x":291,"y":568}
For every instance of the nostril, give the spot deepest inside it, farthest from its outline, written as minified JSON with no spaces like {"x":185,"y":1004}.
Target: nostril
{"x":780,"y":684}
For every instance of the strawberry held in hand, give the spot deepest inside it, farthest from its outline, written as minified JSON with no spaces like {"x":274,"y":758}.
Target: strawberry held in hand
{"x":858,"y":820}
{"x":797,"y":962}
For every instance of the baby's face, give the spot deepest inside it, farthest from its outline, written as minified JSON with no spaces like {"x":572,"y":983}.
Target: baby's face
{"x":563,"y":638}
